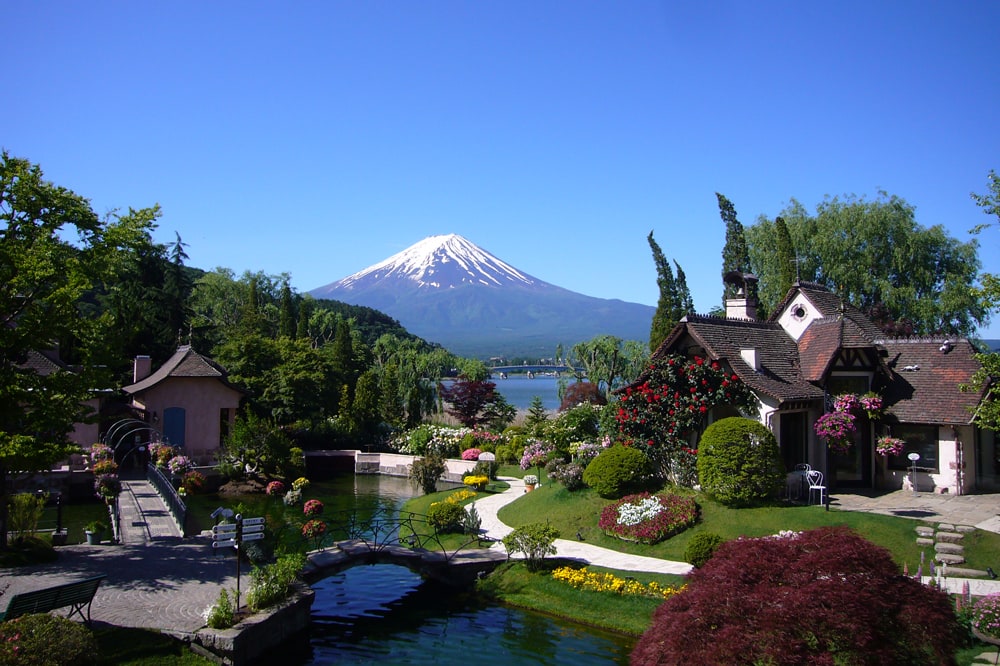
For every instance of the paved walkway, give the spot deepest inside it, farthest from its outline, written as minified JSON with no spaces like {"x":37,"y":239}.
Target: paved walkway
{"x":144,"y":516}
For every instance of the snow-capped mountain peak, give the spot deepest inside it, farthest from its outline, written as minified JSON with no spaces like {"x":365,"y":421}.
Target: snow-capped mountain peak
{"x":440,"y":262}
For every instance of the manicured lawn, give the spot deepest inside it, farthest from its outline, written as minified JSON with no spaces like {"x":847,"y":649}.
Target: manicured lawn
{"x":579,"y":511}
{"x":513,"y":584}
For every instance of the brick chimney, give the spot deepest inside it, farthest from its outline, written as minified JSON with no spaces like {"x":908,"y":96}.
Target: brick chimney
{"x":143,"y":366}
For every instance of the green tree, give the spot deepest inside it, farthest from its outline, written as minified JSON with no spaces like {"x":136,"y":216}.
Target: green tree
{"x":537,"y":415}
{"x":255,"y":448}
{"x":670,"y":306}
{"x":610,"y":362}
{"x":735,"y":254}
{"x":989,"y":289}
{"x":877,"y":257}
{"x":42,"y":281}
{"x":286,"y":320}
{"x":785,"y":255}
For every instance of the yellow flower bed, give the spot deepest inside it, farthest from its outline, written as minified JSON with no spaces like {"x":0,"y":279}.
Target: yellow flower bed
{"x":461,"y":496}
{"x":605,"y":582}
{"x":475,"y":481}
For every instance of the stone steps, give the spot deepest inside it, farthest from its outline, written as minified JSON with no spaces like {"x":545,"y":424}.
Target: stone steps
{"x":946,"y":540}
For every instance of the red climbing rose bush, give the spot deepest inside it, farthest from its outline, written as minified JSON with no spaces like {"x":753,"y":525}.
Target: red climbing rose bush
{"x":824,"y":596}
{"x":672,"y":402}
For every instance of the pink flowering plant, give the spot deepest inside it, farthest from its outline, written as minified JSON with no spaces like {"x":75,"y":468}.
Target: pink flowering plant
{"x":314,"y":529}
{"x":178,"y":465}
{"x":275,"y":488}
{"x":312,"y":507}
{"x":648,"y":518}
{"x":986,"y":615}
{"x":471,"y":454}
{"x":536,"y":454}
{"x":889,"y":446}
{"x":671,"y":402}
{"x":101,"y":452}
{"x":837,"y":429}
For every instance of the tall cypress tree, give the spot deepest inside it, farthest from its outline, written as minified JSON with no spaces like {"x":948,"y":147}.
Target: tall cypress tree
{"x":787,"y":274}
{"x":735,"y":255}
{"x":684,"y":301}
{"x":286,"y":314}
{"x":666,"y":315}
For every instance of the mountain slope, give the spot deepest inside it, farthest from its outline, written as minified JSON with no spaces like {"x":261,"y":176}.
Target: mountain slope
{"x":446,"y":289}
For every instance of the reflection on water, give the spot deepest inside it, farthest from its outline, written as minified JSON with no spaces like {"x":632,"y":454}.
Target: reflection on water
{"x":388,"y":615}
{"x":385,"y":614}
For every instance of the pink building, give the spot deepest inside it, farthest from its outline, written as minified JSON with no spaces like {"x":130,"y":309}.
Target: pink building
{"x":187,"y":399}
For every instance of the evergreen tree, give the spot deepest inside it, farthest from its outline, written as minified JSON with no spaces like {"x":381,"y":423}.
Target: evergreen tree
{"x":668,"y":307}
{"x":305,"y":310}
{"x":735,"y":255}
{"x":786,"y":255}
{"x":537,"y":415}
{"x":286,"y":316}
{"x":390,"y":404}
{"x":684,"y":299}
{"x":177,"y":287}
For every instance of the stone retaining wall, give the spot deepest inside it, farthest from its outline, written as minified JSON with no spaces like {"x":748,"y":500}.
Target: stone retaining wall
{"x":245,"y":642}
{"x":397,"y":464}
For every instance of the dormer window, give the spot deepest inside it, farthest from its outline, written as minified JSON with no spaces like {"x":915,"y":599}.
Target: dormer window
{"x":798,"y":312}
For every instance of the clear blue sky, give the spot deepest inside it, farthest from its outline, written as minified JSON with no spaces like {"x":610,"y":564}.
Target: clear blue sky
{"x":318,"y":138}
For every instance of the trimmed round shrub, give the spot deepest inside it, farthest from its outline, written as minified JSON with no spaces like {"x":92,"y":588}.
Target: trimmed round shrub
{"x":446,"y":517}
{"x":739,"y":462}
{"x":46,"y":639}
{"x":825,"y":596}
{"x":617,"y":471}
{"x":701,"y":547}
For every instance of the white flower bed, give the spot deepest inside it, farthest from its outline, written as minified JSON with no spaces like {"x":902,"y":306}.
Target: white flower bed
{"x":633,"y":514}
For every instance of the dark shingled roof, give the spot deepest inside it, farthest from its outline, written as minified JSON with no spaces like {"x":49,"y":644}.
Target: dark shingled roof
{"x":723,"y":339}
{"x":930,"y":394}
{"x":821,"y":342}
{"x":831,"y":307}
{"x":43,"y":363}
{"x":185,"y":362}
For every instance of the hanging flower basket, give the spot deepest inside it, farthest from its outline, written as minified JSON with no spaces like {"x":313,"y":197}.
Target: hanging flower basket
{"x":889,"y":446}
{"x":837,"y":429}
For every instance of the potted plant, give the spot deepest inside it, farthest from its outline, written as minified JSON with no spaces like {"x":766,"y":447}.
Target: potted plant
{"x":530,"y":481}
{"x":94,"y":530}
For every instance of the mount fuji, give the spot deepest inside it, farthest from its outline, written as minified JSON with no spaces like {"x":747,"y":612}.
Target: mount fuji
{"x":448,"y":290}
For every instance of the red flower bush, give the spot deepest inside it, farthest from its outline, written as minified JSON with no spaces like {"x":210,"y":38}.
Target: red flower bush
{"x":824,"y":596}
{"x":314,"y":529}
{"x":671,"y":403}
{"x":636,"y":518}
{"x":471,"y":454}
{"x":312,"y":507}
{"x":275,"y":488}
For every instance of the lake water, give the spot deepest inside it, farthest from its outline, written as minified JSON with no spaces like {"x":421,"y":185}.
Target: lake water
{"x":520,"y":391}
{"x":384,"y":614}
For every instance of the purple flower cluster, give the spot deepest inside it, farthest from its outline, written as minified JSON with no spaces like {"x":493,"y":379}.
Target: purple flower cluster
{"x":536,"y":454}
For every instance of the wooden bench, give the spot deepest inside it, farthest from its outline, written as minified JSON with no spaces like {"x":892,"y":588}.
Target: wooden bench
{"x":76,"y":595}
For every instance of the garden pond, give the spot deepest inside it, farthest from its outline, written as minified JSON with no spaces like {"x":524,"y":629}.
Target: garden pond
{"x":389,"y":615}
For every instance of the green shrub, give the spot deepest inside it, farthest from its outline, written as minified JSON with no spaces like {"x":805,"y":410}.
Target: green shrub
{"x":271,"y":584}
{"x":617,"y":471}
{"x":506,"y":455}
{"x":418,"y":439}
{"x":701,"y":548}
{"x":426,"y":471}
{"x":221,"y":615}
{"x":24,"y":512}
{"x":472,"y":521}
{"x":46,"y":640}
{"x":739,"y":462}
{"x":446,"y":517}
{"x":535,"y":540}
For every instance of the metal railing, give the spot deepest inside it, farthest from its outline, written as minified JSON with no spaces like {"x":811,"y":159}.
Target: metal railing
{"x":165,"y":489}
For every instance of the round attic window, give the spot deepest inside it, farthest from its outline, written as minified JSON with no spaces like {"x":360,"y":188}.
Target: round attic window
{"x":798,"y":312}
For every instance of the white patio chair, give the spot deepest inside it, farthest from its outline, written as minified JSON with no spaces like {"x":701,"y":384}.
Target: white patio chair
{"x":815,"y":478}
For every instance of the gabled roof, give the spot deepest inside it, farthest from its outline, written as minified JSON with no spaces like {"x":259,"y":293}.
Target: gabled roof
{"x":926,"y":378}
{"x":821,"y":343}
{"x":779,"y":375}
{"x":830,"y":306}
{"x":44,"y":363}
{"x":185,"y":362}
